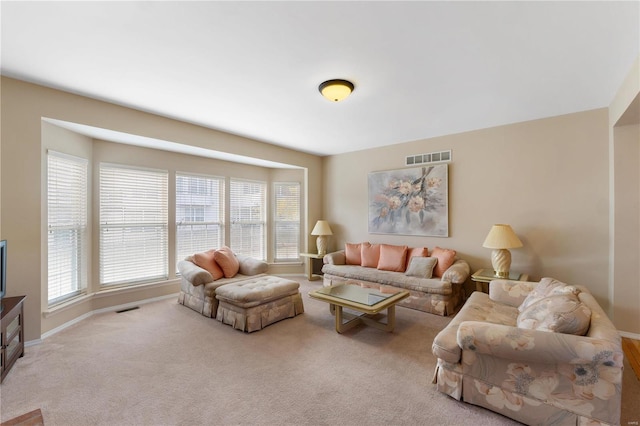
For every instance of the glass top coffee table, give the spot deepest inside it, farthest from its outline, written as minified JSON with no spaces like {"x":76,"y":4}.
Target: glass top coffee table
{"x":370,"y":302}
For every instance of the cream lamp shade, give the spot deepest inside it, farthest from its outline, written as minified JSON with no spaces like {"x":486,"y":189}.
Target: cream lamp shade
{"x":322,"y":230}
{"x":501,"y":237}
{"x":336,"y":90}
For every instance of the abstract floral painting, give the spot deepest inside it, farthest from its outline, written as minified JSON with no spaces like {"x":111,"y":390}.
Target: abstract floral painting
{"x":410,"y":201}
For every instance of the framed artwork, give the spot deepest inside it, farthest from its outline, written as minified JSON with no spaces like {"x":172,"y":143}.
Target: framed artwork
{"x":410,"y":201}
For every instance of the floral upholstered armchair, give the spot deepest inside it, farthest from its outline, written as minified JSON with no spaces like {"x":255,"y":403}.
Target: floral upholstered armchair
{"x":540,"y":353}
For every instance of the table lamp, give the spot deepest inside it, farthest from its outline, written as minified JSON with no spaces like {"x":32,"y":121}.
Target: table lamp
{"x":500,"y":238}
{"x":322,"y":230}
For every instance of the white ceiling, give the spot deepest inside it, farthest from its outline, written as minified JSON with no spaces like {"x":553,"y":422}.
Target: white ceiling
{"x":421,"y":69}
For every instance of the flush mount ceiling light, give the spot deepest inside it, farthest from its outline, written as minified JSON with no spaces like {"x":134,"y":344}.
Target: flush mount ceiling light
{"x":336,"y":90}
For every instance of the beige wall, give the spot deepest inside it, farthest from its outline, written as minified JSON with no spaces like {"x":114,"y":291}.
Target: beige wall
{"x":626,"y":268}
{"x":547,"y":178}
{"x":23,"y":105}
{"x":624,"y":226}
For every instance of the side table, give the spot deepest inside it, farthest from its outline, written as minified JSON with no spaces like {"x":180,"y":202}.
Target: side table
{"x":483,"y":277}
{"x":314,"y":265}
{"x":12,"y":333}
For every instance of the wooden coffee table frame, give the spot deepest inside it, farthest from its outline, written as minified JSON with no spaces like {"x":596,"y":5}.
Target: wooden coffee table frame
{"x":346,"y":321}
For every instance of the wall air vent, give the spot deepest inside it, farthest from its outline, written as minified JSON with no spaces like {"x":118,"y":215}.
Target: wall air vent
{"x":432,"y":157}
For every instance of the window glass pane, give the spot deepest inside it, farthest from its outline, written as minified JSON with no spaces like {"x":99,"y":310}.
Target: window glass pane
{"x":67,"y":226}
{"x":199,"y":214}
{"x":247,"y":204}
{"x":133,"y":225}
{"x":287,"y":221}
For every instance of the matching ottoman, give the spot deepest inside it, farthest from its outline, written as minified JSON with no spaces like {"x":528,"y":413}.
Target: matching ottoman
{"x":253,"y":304}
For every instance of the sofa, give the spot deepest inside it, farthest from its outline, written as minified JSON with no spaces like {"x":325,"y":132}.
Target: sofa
{"x":435,"y":280}
{"x":539,"y":353}
{"x":198,"y":285}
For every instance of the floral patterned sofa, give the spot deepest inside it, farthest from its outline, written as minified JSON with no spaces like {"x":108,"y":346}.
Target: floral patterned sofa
{"x":510,"y":351}
{"x":199,"y":279}
{"x":434,"y":278}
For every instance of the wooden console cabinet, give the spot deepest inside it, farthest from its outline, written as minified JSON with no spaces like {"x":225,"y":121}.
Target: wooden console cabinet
{"x":12,"y":333}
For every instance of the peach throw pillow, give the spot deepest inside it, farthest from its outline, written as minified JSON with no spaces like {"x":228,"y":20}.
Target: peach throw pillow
{"x":206,"y":261}
{"x":352,"y":253}
{"x":370,"y":255}
{"x":416,"y":252}
{"x":227,"y":261}
{"x":445,"y":257}
{"x":392,"y":258}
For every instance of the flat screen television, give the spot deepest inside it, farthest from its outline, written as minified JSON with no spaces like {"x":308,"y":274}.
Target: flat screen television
{"x":3,"y":269}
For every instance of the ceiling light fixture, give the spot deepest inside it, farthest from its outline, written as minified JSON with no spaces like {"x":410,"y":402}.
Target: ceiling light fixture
{"x":336,"y":90}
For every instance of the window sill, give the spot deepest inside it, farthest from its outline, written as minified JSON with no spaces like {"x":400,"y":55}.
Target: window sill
{"x":122,"y":289}
{"x":67,"y":304}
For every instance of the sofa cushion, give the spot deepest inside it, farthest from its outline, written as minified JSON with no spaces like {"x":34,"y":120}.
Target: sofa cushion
{"x":446,"y":257}
{"x":392,"y":258}
{"x":207,"y":262}
{"x":370,"y":255}
{"x":353,"y":253}
{"x":251,"y":266}
{"x":562,"y":313}
{"x":257,"y":290}
{"x":416,"y":252}
{"x":421,"y":267}
{"x":509,"y":292}
{"x":478,"y":307}
{"x":395,"y":279}
{"x":545,"y":288}
{"x":227,"y":261}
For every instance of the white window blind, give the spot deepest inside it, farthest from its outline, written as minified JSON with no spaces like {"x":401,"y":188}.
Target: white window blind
{"x":67,"y":188}
{"x":287,"y":221}
{"x":133,"y":225}
{"x":199,"y":214}
{"x":247,"y":205}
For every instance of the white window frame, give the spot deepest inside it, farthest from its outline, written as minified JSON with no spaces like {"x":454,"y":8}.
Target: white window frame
{"x":134,"y":226}
{"x":198,"y":196}
{"x":67,"y":226}
{"x":280,"y":252}
{"x":251,"y":220}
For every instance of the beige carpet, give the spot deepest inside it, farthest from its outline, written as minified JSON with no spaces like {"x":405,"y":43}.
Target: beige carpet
{"x":164,"y":364}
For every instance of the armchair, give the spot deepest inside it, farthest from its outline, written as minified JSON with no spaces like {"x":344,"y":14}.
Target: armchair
{"x":488,"y":357}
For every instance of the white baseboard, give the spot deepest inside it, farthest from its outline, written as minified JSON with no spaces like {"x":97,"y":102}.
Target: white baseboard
{"x":634,"y":336}
{"x":98,"y":311}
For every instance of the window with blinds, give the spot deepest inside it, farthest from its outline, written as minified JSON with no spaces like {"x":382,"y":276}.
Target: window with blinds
{"x":199,"y":214}
{"x":133,"y":225}
{"x":67,"y":189}
{"x":247,"y":206}
{"x":286,"y":221}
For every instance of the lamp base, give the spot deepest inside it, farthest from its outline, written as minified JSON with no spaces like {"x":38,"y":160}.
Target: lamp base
{"x":501,"y":261}
{"x":321,"y":244}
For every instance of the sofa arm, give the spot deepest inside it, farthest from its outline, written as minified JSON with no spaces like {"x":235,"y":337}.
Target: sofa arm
{"x":251,"y":266}
{"x":524,"y":345}
{"x":510,"y":292}
{"x":335,"y":258}
{"x":193,"y":273}
{"x":457,"y":273}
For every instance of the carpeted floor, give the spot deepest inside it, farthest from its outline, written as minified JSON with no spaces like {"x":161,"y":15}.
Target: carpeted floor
{"x":164,"y":364}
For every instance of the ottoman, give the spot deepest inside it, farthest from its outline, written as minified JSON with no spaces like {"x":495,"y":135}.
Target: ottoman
{"x":253,"y":304}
